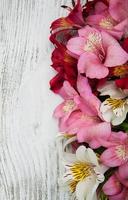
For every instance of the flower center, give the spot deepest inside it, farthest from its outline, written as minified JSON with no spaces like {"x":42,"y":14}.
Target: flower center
{"x":121,"y":70}
{"x":122,"y":152}
{"x":107,"y":23}
{"x":117,"y":105}
{"x":94,"y":44}
{"x":81,"y":170}
{"x":68,"y":106}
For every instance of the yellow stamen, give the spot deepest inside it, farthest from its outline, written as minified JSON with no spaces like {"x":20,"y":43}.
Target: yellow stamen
{"x":107,"y":23}
{"x":69,"y":106}
{"x":93,"y":41}
{"x":81,"y":170}
{"x":68,"y":135}
{"x":121,"y":70}
{"x":116,"y":103}
{"x":72,"y":186}
{"x":122,"y":152}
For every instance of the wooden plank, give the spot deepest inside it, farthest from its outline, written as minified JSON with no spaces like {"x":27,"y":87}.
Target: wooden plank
{"x":30,"y":163}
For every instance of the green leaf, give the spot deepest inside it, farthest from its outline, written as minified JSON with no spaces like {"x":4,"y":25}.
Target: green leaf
{"x":102,"y":196}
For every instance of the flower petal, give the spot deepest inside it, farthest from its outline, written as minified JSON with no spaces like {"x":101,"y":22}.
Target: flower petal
{"x":82,"y":154}
{"x":111,"y":158}
{"x":85,"y":91}
{"x":112,"y":186}
{"x":115,"y":54}
{"x":76,"y":45}
{"x":84,"y":189}
{"x":90,"y":64}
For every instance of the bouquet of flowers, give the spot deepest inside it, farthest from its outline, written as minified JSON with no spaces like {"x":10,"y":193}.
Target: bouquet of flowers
{"x":91,"y":61}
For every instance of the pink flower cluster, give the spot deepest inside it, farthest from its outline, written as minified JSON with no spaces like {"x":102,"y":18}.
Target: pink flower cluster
{"x":91,"y":61}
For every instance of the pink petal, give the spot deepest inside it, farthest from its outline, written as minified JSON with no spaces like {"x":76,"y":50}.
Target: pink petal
{"x":76,"y":45}
{"x":100,"y":7}
{"x":94,"y":19}
{"x":59,"y":111}
{"x":112,"y":186}
{"x":84,"y":32}
{"x":71,"y":92}
{"x":123,"y":174}
{"x":85,"y":91}
{"x":116,"y":138}
{"x":121,"y":196}
{"x":97,"y":131}
{"x":118,"y":9}
{"x":90,"y":64}
{"x":122,"y":25}
{"x":115,"y":55}
{"x":110,"y":158}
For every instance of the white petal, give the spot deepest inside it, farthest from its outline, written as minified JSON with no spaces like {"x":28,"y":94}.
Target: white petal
{"x":108,"y":115}
{"x":69,"y":141}
{"x":118,"y":120}
{"x":105,"y":107}
{"x":82,"y":154}
{"x":85,"y":187}
{"x":69,"y":157}
{"x":111,"y":89}
{"x":92,"y":194}
{"x":92,"y":157}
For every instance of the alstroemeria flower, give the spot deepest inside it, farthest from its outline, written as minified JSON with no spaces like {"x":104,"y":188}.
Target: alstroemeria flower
{"x":114,"y":109}
{"x":83,"y":173}
{"x":97,"y":51}
{"x":74,"y":19}
{"x":66,"y":66}
{"x":116,"y":153}
{"x":79,"y":114}
{"x":102,"y":20}
{"x":114,"y":189}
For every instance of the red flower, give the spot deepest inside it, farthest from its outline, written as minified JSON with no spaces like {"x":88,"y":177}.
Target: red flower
{"x":66,"y":66}
{"x":122,"y":83}
{"x":74,"y":19}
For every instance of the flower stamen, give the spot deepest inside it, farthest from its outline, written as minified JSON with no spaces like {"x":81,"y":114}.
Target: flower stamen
{"x":107,"y":23}
{"x":122,"y":152}
{"x":80,"y":171}
{"x":94,"y":44}
{"x":69,"y":106}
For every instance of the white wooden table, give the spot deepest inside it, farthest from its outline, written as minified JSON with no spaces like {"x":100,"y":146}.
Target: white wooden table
{"x":30,"y":163}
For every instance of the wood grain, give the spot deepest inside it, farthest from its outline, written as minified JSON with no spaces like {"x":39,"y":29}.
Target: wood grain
{"x":30,"y":161}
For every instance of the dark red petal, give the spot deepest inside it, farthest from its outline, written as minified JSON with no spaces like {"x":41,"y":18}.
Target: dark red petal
{"x":125,"y":44}
{"x":122,"y":83}
{"x":56,"y":83}
{"x":74,"y":19}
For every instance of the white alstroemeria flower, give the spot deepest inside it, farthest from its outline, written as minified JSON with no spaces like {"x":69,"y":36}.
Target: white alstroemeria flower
{"x":114,"y":109}
{"x":83,"y":173}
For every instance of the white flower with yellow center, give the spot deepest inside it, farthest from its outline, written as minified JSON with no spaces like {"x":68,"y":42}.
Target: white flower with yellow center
{"x":114,"y":109}
{"x":83,"y":173}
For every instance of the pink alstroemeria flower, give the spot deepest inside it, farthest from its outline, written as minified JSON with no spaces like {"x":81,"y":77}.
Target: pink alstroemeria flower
{"x":102,"y":20}
{"x":97,"y":51}
{"x":114,"y":189}
{"x":79,"y":114}
{"x":116,"y":153}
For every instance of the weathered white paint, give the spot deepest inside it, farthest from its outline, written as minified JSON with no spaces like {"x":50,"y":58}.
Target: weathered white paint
{"x":30,"y":161}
